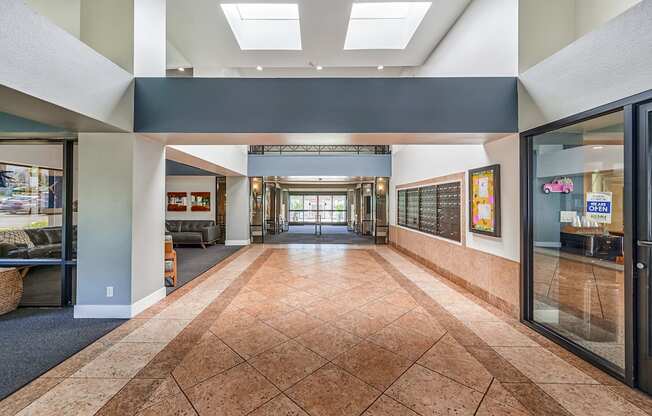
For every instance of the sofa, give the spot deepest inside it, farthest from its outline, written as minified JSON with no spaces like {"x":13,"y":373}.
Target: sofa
{"x":198,"y":232}
{"x":36,"y":243}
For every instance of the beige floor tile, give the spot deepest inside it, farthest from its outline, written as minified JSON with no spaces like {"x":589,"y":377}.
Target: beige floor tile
{"x":157,"y":330}
{"x":78,"y":397}
{"x":231,"y":320}
{"x":268,"y":310}
{"x":588,"y":400}
{"x":177,"y":405}
{"x":331,"y":391}
{"x":122,"y":360}
{"x":208,"y":358}
{"x":500,"y":334}
{"x":235,"y":392}
{"x":294,"y":323}
{"x":254,"y":339}
{"x":329,"y":341}
{"x":421,"y":323}
{"x":327,"y":310}
{"x":279,"y":406}
{"x":287,"y":363}
{"x":384,"y":310}
{"x":386,"y":406}
{"x":542,"y":366}
{"x":359,"y":324}
{"x":373,"y":364}
{"x":403,"y":341}
{"x":490,"y":407}
{"x":451,"y":359}
{"x":429,"y":393}
{"x":26,"y":395}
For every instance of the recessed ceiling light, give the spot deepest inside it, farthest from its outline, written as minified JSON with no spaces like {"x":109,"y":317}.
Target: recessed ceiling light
{"x":259,"y":68}
{"x":264,"y":26}
{"x":384,"y":25}
{"x":380,"y":67}
{"x":319,"y":67}
{"x":181,"y":69}
{"x":598,"y":147}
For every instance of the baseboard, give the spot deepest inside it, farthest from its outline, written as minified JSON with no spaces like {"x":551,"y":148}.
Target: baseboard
{"x":237,"y":242}
{"x":118,"y":311}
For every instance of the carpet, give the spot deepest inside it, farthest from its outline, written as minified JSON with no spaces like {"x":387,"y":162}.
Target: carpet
{"x":33,"y":340}
{"x":193,"y":261}
{"x":330,"y":234}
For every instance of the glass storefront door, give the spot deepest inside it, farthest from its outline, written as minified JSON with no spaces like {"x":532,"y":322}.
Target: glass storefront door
{"x":578,"y":235}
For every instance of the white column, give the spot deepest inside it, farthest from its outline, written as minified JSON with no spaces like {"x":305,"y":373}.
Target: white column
{"x":120,"y":225}
{"x":131,"y":33}
{"x":237,"y":210}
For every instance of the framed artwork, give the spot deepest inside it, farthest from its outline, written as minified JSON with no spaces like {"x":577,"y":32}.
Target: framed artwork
{"x":200,"y":201}
{"x":177,"y":201}
{"x":484,"y":200}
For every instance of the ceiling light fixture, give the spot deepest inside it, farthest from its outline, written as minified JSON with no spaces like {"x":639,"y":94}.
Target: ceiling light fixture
{"x":380,"y":67}
{"x":259,"y":68}
{"x":384,"y":25}
{"x":181,"y":69}
{"x":319,"y":67}
{"x":598,"y":147}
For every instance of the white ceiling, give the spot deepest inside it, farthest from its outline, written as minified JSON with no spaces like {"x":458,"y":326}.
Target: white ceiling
{"x":201,"y":33}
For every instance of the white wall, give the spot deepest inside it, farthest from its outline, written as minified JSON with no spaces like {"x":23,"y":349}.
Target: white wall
{"x":43,"y":62}
{"x":605,"y":65}
{"x":483,"y":42}
{"x":590,"y":14}
{"x":191,"y":184}
{"x":63,"y":13}
{"x":149,"y":38}
{"x":233,"y":158}
{"x":412,"y":163}
{"x":237,"y":210}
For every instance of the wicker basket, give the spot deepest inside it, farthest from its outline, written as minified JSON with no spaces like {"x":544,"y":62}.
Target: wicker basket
{"x":11,"y":290}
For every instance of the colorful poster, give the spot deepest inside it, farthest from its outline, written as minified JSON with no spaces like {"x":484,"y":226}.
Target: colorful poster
{"x":484,"y":200}
{"x":200,"y":201}
{"x":177,"y":201}
{"x":598,"y":207}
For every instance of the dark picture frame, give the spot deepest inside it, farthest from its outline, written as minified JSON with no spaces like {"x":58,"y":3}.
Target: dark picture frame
{"x":491,"y":198}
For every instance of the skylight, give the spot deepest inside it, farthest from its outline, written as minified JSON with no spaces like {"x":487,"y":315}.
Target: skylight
{"x":264,"y":26}
{"x":387,"y":25}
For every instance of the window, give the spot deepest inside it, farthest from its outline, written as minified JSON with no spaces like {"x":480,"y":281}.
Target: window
{"x":431,"y":209}
{"x":264,"y":26}
{"x":331,"y":209}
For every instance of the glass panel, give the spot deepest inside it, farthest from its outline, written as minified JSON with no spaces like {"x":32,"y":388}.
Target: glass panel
{"x":310,"y":202}
{"x":31,"y":200}
{"x":578,"y":282}
{"x":339,"y":216}
{"x":325,"y":202}
{"x":310,"y":216}
{"x":296,"y":216}
{"x":339,"y":202}
{"x":413,"y":208}
{"x":296,"y":202}
{"x":326,"y":216}
{"x":41,"y":286}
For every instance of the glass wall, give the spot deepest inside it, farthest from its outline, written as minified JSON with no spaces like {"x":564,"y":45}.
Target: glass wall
{"x":38,"y":217}
{"x":578,"y":231}
{"x":307,"y":208}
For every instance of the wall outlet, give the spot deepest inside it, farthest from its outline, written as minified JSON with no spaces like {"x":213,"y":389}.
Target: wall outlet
{"x":109,"y":291}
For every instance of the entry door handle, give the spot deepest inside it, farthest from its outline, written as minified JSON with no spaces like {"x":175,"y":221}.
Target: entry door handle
{"x":644,"y":243}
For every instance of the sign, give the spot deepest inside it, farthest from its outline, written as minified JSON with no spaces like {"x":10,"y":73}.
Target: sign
{"x":567,"y":216}
{"x":598,"y":207}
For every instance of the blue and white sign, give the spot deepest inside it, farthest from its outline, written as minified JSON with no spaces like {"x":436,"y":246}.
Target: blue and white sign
{"x":598,"y":207}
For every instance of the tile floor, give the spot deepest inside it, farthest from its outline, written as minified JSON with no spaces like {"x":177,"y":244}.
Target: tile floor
{"x":324,"y":330}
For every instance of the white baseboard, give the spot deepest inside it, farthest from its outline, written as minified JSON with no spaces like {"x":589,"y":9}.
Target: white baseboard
{"x":119,"y":311}
{"x":237,"y":242}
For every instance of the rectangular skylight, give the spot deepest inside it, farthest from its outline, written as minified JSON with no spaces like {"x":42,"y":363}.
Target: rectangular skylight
{"x":264,"y":26}
{"x":386,"y":25}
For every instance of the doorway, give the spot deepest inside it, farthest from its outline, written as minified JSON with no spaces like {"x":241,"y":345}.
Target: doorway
{"x":587,"y":236}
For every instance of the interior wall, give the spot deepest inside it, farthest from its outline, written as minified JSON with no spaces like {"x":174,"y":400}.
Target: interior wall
{"x":237,"y":210}
{"x":63,"y":13}
{"x":233,"y":158}
{"x":483,"y":42}
{"x":191,"y":184}
{"x":605,"y":65}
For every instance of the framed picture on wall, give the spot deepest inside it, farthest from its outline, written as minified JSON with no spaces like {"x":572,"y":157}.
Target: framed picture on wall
{"x":484,"y":200}
{"x":200,"y":201}
{"x":177,"y":201}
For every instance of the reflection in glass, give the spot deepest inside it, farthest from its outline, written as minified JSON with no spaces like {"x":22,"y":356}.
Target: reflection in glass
{"x":310,"y":202}
{"x":578,"y":183}
{"x":31,"y":200}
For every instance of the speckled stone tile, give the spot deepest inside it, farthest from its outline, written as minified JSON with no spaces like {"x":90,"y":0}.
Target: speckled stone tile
{"x":329,"y":341}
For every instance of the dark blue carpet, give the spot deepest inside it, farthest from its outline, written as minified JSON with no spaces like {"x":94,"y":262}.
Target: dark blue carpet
{"x":194,"y":261}
{"x":33,"y":340}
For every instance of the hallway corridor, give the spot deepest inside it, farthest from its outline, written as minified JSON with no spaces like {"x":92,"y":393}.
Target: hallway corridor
{"x":324,"y":330}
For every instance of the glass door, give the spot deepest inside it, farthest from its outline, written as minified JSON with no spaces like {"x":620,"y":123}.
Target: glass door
{"x":643,"y":252}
